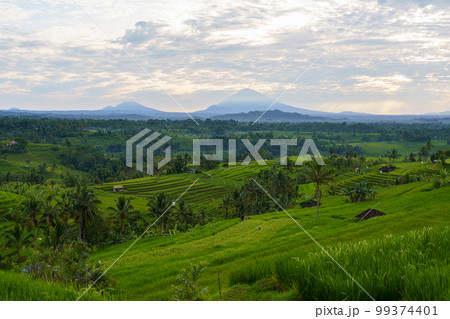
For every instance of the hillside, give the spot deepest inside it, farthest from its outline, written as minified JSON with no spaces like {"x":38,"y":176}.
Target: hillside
{"x":247,"y":259}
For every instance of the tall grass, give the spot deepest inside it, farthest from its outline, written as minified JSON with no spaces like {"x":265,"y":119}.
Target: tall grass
{"x":14,"y":286}
{"x":413,"y":266}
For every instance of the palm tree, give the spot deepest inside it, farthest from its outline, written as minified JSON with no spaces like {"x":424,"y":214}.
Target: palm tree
{"x":31,"y":209}
{"x":429,"y":146}
{"x":65,"y":208}
{"x":290,"y":166}
{"x":123,"y":210}
{"x":202,"y":217}
{"x":55,"y":236}
{"x":17,"y":238}
{"x":226,"y":204}
{"x":85,"y":208}
{"x":238,"y":200}
{"x":443,"y":173}
{"x":49,"y":211}
{"x":187,"y":159}
{"x":183,"y":212}
{"x":393,"y":154}
{"x":158,"y":207}
{"x":423,"y":152}
{"x":319,"y":175}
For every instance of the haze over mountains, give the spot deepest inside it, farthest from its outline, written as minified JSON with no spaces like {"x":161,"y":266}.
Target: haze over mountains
{"x":246,"y":105}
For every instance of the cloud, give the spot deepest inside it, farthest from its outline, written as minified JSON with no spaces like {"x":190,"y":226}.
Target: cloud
{"x":397,"y":51}
{"x":385,"y":84}
{"x":142,"y":32}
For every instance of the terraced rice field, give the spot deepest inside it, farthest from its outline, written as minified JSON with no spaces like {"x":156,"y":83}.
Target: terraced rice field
{"x":383,"y":179}
{"x":201,"y":193}
{"x":238,"y":172}
{"x":8,"y":200}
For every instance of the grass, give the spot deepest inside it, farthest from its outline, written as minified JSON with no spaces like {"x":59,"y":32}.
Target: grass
{"x":147,"y":271}
{"x":15,"y":286}
{"x":279,"y":262}
{"x":410,"y":266}
{"x":380,"y":148}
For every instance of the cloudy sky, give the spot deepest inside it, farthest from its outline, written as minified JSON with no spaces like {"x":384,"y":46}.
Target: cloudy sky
{"x":55,"y":54}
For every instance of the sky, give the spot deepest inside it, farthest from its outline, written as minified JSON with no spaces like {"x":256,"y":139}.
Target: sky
{"x":382,"y":56}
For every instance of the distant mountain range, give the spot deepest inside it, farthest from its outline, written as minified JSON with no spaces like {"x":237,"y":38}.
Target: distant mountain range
{"x":248,"y":100}
{"x":246,"y":105}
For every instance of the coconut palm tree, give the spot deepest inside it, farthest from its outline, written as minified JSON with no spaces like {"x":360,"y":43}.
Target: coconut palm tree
{"x":429,"y":146}
{"x":158,"y":208}
{"x":17,"y":238}
{"x":423,"y":152}
{"x":49,"y":211}
{"x":31,"y":210}
{"x":84,"y":208}
{"x":226,"y":204}
{"x":183,"y":212}
{"x":238,"y":200}
{"x":55,"y":236}
{"x":123,"y":210}
{"x":393,"y":154}
{"x":65,"y":207}
{"x":187,"y":159}
{"x":319,"y":175}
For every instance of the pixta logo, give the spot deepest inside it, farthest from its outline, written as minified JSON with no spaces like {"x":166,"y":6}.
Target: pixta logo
{"x":308,"y":147}
{"x":253,"y":150}
{"x":150,"y":150}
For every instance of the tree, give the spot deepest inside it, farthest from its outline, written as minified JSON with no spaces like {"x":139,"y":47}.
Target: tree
{"x":183,"y":212}
{"x":158,"y":207}
{"x":290,"y":166}
{"x":65,"y":207}
{"x":444,"y":174}
{"x":359,"y":192}
{"x":393,"y":154}
{"x":31,"y":210}
{"x":429,"y":146}
{"x":85,"y":208}
{"x":423,"y":152}
{"x":319,"y":175}
{"x":17,"y":238}
{"x":187,"y":159}
{"x":238,"y":200}
{"x":49,"y":211}
{"x":226,"y":204}
{"x":426,"y":149}
{"x":123,"y":211}
{"x":187,"y":288}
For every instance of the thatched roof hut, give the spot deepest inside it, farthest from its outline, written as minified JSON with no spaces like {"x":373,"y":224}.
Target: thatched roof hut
{"x":369,"y":213}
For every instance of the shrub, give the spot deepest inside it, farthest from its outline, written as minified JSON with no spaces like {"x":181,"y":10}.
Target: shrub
{"x":187,"y":287}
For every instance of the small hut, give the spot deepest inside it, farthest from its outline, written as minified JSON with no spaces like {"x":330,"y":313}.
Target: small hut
{"x":386,"y":169}
{"x":369,"y":213}
{"x":12,"y":143}
{"x":118,"y":188}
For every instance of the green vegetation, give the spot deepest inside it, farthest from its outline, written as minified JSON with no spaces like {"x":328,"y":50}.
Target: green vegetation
{"x":15,"y":287}
{"x":62,"y":222}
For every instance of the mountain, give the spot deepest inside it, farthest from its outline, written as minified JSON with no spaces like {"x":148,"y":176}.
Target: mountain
{"x":445,"y":113}
{"x":128,"y":108}
{"x":273,"y":117}
{"x":246,"y":105}
{"x":248,"y":100}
